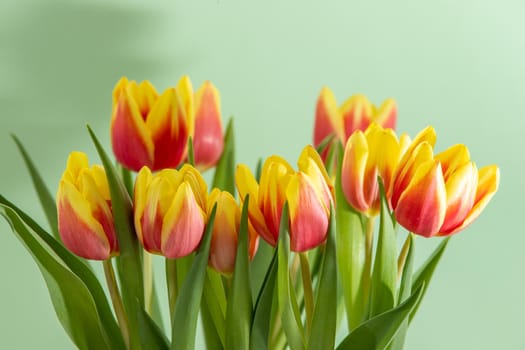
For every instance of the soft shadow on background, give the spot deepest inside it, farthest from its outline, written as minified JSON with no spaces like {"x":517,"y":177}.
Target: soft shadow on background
{"x":458,"y":66}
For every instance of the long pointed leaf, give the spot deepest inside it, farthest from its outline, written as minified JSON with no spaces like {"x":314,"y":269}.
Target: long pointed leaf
{"x":383,"y":288}
{"x":322,"y":335}
{"x":224,"y":177}
{"x":291,"y":320}
{"x":129,"y":261}
{"x":187,"y":306}
{"x":151,"y":336}
{"x":71,"y":298}
{"x":262,"y":315}
{"x":239,"y":311}
{"x":378,"y":332}
{"x":213,"y":307}
{"x":79,"y":268}
{"x":46,"y":198}
{"x":426,"y":271}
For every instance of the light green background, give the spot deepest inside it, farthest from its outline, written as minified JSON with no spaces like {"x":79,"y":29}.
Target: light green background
{"x":458,"y":65}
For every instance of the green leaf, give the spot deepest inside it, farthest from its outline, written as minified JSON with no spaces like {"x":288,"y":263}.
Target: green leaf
{"x":405,"y":288}
{"x":325,"y":143}
{"x":224,"y":177}
{"x":287,"y":300}
{"x":259,"y":266}
{"x":191,"y":154}
{"x":46,"y":198}
{"x":213,"y":310}
{"x":322,"y":335}
{"x":78,"y":267}
{"x":189,"y":299}
{"x":72,"y":300}
{"x":129,"y":261}
{"x":261,"y":315}
{"x":424,"y":275}
{"x":151,"y":336}
{"x":378,"y":332}
{"x":384,"y":277}
{"x":350,"y":238}
{"x":239,"y":310}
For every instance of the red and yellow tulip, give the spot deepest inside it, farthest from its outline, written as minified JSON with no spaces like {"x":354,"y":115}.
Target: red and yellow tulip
{"x":225,"y":232}
{"x":208,"y":142}
{"x":375,"y":152}
{"x":357,"y":113}
{"x":170,"y":210}
{"x":148,"y":129}
{"x":442,"y":194}
{"x":85,"y":219}
{"x":307,"y":191}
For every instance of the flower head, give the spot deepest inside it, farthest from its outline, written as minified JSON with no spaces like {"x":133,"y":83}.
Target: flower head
{"x":170,"y":210}
{"x":85,"y":219}
{"x":148,"y":129}
{"x":307,"y":191}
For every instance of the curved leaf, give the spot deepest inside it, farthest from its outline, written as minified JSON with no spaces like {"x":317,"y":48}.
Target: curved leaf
{"x":224,"y":177}
{"x":151,"y":336}
{"x":239,"y":309}
{"x":378,"y":332}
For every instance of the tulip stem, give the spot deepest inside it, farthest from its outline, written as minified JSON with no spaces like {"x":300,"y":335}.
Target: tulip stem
{"x":117,"y":301}
{"x":148,"y":281}
{"x":369,"y":242}
{"x":403,"y":256}
{"x":171,"y":282}
{"x":308,"y":291}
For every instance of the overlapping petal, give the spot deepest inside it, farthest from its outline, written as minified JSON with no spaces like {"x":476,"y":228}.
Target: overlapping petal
{"x":85,"y":218}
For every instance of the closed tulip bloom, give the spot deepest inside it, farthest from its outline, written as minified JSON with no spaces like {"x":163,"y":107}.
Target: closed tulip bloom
{"x":356,"y":113}
{"x":170,"y":210}
{"x":85,"y":219}
{"x":441,"y":195}
{"x":208,"y":142}
{"x":308,"y":192}
{"x":148,"y":129}
{"x":375,"y":152}
{"x":225,"y":232}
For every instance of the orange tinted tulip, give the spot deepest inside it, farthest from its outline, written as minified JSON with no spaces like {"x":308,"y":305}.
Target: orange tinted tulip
{"x":85,"y":219}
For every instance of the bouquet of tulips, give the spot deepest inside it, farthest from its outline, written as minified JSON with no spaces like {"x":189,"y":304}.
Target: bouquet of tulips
{"x":327,"y":272}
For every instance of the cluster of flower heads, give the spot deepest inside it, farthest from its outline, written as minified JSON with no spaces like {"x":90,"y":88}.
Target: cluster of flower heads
{"x":429,"y":194}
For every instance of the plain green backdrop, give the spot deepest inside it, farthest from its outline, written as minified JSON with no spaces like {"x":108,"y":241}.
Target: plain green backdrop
{"x":458,"y":65}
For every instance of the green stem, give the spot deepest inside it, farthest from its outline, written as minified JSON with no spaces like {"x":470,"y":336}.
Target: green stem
{"x":148,"y":281}
{"x":308,"y":291}
{"x":171,"y":282}
{"x":402,"y":258}
{"x":117,"y":301}
{"x":369,"y":243}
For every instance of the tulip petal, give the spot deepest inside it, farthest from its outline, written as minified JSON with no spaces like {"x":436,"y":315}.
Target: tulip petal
{"x":386,"y":115}
{"x":308,"y":215}
{"x":452,"y":159}
{"x":131,"y":141}
{"x":311,"y":164}
{"x":208,"y":142}
{"x":422,"y":206}
{"x":183,"y":224}
{"x":144,"y":95}
{"x":461,"y":193}
{"x":488,"y":183}
{"x":353,"y":171}
{"x":197,"y":183}
{"x":327,"y":117}
{"x":246,"y":185}
{"x":142,"y":182}
{"x":185,"y":92}
{"x":79,"y":230}
{"x":356,"y":113}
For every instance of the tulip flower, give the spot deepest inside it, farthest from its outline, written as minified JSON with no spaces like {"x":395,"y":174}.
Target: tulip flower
{"x":85,"y":219}
{"x":170,"y":210}
{"x":375,"y":152}
{"x":148,"y":129}
{"x":441,"y":195}
{"x":225,"y":232}
{"x":307,"y":191}
{"x":208,"y":141}
{"x":357,"y":113}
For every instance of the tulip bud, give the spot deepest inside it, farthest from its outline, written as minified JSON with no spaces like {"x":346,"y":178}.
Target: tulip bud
{"x":85,"y":219}
{"x":148,"y":129}
{"x":225,"y":233}
{"x":208,"y":142}
{"x":170,"y":210}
